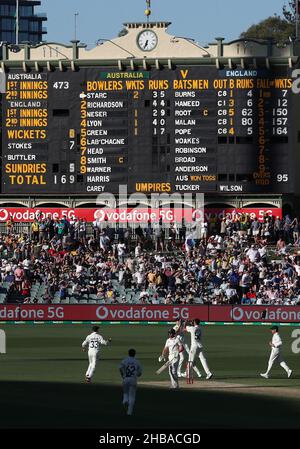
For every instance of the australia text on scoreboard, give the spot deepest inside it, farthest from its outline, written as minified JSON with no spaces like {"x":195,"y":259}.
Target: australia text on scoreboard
{"x":190,"y":129}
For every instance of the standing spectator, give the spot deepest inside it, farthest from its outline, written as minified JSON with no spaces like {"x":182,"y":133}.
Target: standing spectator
{"x":139,"y":234}
{"x":277,"y":228}
{"x":138,"y":250}
{"x":25,"y":288}
{"x":96,"y":228}
{"x":255,"y":228}
{"x":287,"y":229}
{"x":127,"y":237}
{"x":222,"y":227}
{"x":245,"y":282}
{"x":76,"y":228}
{"x":51,"y":229}
{"x":121,"y":247}
{"x":10,"y":225}
{"x":19,"y":277}
{"x":43,"y":231}
{"x":35,"y":228}
{"x":60,"y":229}
{"x":295,"y":227}
{"x":82,"y":231}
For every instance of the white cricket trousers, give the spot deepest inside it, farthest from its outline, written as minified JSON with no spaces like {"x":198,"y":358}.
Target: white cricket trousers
{"x":129,"y":392}
{"x":181,"y":360}
{"x":276,"y":356}
{"x":93,"y":357}
{"x":173,"y":370}
{"x":196,"y":350}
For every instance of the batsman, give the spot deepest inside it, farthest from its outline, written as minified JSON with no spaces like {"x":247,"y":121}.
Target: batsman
{"x":173,"y":347}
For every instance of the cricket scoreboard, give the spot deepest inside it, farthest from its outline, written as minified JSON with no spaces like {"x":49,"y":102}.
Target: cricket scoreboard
{"x":189,"y":129}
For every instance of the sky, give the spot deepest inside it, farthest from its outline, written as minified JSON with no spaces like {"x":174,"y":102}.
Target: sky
{"x":198,"y":19}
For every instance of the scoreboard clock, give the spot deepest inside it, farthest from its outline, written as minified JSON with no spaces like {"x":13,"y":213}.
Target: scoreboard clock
{"x":147,"y":40}
{"x":193,"y":129}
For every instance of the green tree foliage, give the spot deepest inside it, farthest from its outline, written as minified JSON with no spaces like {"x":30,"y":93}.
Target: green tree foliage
{"x":274,"y":27}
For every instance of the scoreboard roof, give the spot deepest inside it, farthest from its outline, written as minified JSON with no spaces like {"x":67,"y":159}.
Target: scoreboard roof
{"x":127,"y":50}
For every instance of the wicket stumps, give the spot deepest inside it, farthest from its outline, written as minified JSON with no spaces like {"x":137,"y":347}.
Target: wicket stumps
{"x":189,"y":373}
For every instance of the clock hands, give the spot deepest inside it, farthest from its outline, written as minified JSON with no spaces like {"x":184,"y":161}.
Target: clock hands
{"x":147,"y":40}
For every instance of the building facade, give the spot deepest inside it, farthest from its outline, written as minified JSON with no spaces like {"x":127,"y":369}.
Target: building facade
{"x":31,"y":27}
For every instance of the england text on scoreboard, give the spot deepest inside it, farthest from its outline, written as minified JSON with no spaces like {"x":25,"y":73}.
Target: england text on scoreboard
{"x":191,"y":129}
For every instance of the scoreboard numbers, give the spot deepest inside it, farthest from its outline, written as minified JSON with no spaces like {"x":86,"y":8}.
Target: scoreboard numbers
{"x":187,"y":130}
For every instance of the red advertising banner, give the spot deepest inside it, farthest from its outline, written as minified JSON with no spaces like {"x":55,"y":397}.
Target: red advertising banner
{"x":253,"y":314}
{"x":219,"y":313}
{"x":235,"y":313}
{"x":288,"y":314}
{"x":32,"y":312}
{"x":136,"y":215}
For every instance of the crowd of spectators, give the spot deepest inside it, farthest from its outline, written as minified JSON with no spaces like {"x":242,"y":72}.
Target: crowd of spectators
{"x":238,"y":260}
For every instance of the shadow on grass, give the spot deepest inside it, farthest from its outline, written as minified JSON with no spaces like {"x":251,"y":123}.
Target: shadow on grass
{"x":63,"y":405}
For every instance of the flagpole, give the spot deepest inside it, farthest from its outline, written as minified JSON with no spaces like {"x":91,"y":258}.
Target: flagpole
{"x":17,"y":22}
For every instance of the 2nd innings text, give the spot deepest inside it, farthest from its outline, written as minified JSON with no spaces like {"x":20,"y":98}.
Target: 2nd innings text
{"x":150,"y":438}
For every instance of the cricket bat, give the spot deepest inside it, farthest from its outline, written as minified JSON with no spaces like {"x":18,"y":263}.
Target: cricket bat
{"x":163,"y":367}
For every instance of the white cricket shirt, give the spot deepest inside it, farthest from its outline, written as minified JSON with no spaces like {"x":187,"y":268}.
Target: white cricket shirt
{"x":130,"y":368}
{"x":276,"y":340}
{"x":93,"y":341}
{"x":196,"y":334}
{"x":173,"y":344}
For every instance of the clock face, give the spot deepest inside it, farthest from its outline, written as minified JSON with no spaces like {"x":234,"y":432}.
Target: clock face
{"x":147,"y":40}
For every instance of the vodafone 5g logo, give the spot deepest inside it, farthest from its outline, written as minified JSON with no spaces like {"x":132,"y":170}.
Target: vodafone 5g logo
{"x":4,"y":215}
{"x":100,"y":215}
{"x":102,"y":312}
{"x":237,"y":313}
{"x":2,"y":342}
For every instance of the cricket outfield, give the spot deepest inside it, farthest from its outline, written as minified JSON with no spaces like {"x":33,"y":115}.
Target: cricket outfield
{"x":42,"y":380}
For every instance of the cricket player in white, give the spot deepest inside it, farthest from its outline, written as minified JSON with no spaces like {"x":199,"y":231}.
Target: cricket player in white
{"x":93,"y":341}
{"x":197,"y":347}
{"x":276,"y":355}
{"x":130,"y":370}
{"x":173,"y":347}
{"x":179,"y":328}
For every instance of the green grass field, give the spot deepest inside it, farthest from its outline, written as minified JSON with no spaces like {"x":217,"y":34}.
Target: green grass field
{"x":42,"y":380}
